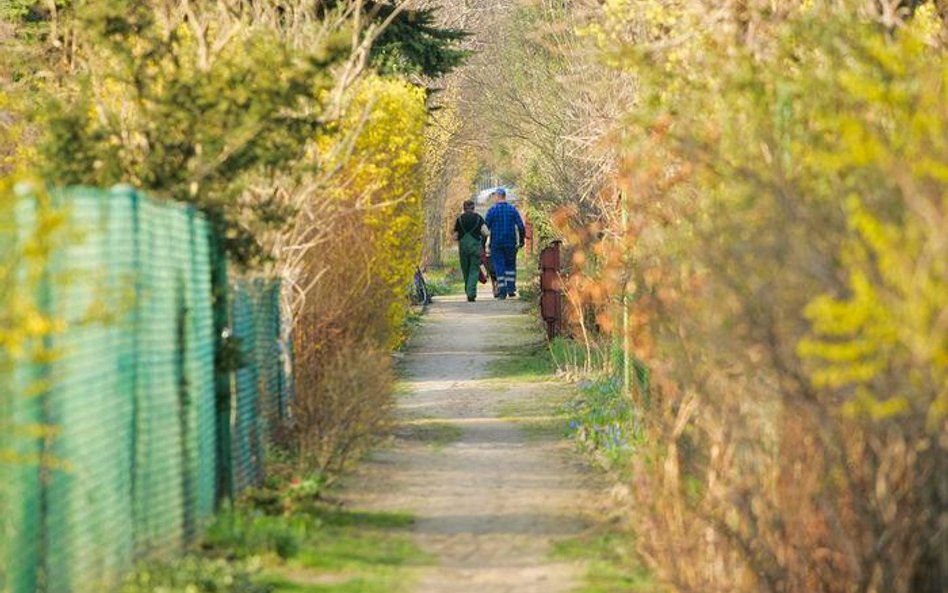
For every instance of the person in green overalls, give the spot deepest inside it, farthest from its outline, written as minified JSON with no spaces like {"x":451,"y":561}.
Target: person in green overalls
{"x":471,"y":233}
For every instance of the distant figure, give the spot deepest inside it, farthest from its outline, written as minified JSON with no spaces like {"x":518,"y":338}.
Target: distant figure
{"x":507,"y":234}
{"x":471,"y":233}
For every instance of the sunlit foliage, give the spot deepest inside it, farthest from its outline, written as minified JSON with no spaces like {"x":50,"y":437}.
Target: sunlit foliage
{"x":383,"y":174}
{"x":186,"y":106}
{"x":764,"y":235}
{"x":783,"y":178}
{"x":297,"y":127}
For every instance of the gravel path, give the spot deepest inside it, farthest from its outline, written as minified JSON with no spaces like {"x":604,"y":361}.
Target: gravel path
{"x":489,"y":501}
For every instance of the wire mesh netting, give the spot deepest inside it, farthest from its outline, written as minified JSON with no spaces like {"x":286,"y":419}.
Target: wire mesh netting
{"x":116,"y":443}
{"x":260,"y":385}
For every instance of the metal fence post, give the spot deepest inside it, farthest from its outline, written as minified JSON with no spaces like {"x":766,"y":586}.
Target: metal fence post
{"x":551,"y":307}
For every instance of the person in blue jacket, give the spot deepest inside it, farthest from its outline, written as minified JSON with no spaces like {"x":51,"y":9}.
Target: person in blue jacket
{"x":507,"y":234}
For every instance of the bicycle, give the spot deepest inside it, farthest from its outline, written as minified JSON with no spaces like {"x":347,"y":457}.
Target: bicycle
{"x":418,"y":291}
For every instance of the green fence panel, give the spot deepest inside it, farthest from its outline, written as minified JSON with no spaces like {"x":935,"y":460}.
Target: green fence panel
{"x":247,"y":430}
{"x":20,"y":492}
{"x":131,"y":393}
{"x":135,"y":466}
{"x":261,"y":389}
{"x":20,"y":515}
{"x":268,"y":351}
{"x":200,"y":375}
{"x":158,"y":476}
{"x":87,"y":542}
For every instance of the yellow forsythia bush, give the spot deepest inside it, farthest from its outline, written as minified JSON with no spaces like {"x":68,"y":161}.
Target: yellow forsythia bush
{"x":382,"y":175}
{"x":785,"y":172}
{"x":371,"y":240}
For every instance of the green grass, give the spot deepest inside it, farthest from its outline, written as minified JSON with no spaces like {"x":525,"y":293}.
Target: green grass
{"x":371,"y":555}
{"x":540,"y":417}
{"x":277,"y":584}
{"x":411,"y":323}
{"x":445,"y":279}
{"x":436,"y":433}
{"x":612,"y":563}
{"x":402,"y":388}
{"x":530,"y":362}
{"x":541,"y":360}
{"x":337,"y":517}
{"x":312,"y":548}
{"x":320,"y":538}
{"x":194,"y":574}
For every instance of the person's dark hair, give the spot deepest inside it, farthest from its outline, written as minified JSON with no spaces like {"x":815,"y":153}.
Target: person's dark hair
{"x":468,"y":204}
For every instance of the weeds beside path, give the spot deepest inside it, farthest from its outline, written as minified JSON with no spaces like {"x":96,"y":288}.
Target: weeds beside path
{"x":284,"y":541}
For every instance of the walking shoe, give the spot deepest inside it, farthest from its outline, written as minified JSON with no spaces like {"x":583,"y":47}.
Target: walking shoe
{"x":501,"y":295}
{"x":470,"y":299}
{"x":512,"y":294}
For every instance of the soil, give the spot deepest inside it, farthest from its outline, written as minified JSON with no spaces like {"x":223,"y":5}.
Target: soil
{"x":490,"y":499}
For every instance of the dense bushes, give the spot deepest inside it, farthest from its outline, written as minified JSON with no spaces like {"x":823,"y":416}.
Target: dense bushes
{"x":785,"y":252}
{"x":766,"y":233}
{"x":304,"y":157}
{"x":343,"y":400}
{"x":356,"y":308}
{"x":379,"y":173}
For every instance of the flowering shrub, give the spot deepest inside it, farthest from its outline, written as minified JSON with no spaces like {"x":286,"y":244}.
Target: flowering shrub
{"x":775,"y":249}
{"x":603,"y":420}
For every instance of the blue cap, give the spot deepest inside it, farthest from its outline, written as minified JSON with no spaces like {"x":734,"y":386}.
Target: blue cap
{"x":501,"y":192}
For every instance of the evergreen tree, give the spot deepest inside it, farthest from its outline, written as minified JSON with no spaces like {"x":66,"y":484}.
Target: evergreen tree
{"x":414,"y":44}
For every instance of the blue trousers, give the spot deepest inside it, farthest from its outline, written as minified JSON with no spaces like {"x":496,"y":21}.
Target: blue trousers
{"x":504,"y":260}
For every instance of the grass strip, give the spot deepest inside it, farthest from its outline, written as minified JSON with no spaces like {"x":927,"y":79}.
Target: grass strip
{"x":285,"y":540}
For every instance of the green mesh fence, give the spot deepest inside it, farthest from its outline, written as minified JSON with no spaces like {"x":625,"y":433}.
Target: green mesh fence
{"x":20,"y":511}
{"x":138,"y":456}
{"x":261,"y":387}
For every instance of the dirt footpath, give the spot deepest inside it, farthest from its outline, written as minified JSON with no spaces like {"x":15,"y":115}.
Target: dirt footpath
{"x":490,"y":501}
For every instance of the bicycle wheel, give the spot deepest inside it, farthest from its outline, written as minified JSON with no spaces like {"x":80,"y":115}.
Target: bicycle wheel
{"x":421,"y":288}
{"x":418,"y":290}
